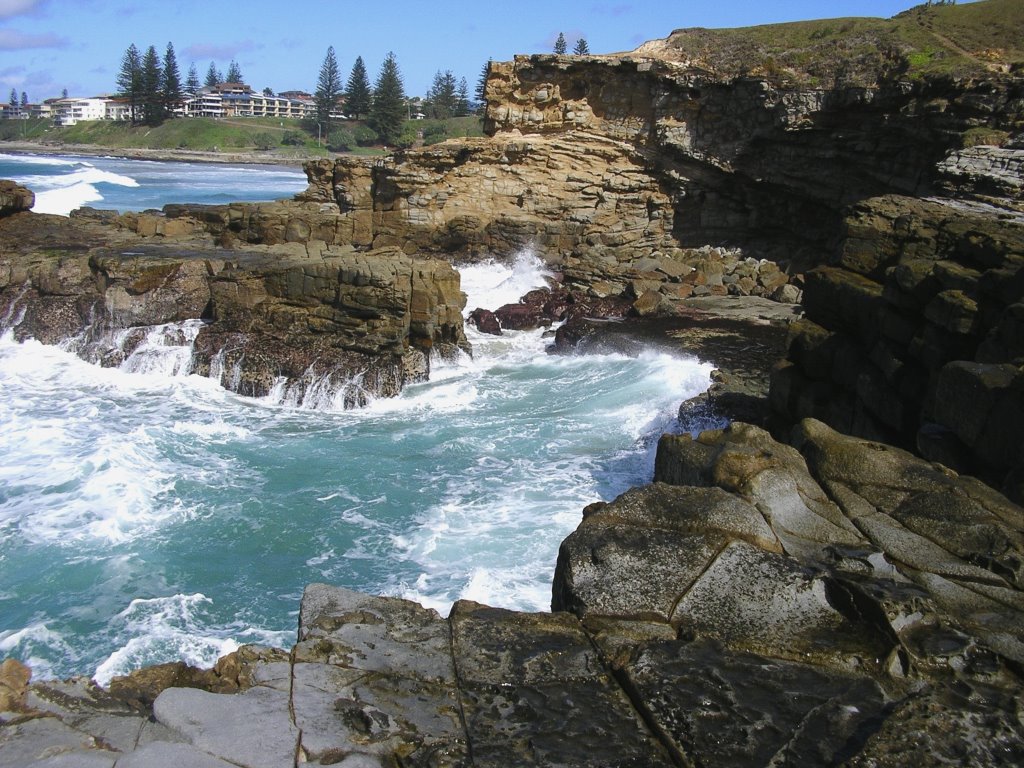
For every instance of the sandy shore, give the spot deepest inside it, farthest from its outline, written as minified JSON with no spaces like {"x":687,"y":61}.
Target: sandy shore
{"x":255,"y":157}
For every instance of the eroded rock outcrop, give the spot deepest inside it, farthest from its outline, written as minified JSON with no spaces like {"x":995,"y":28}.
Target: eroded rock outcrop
{"x":858,"y":602}
{"x":14,"y":198}
{"x":299,"y":317}
{"x":653,"y":173}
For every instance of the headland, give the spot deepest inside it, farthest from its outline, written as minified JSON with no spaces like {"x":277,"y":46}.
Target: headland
{"x":836,"y":579}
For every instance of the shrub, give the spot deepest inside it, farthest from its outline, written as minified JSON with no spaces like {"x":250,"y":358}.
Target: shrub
{"x":264,"y":141}
{"x":365,"y":136}
{"x":409,"y":136}
{"x":293,"y":139}
{"x":341,"y":140}
{"x":983,"y":135}
{"x":435,"y":132}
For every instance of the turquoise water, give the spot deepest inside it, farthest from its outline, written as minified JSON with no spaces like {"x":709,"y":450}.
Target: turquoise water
{"x":148,"y":515}
{"x":65,"y":182}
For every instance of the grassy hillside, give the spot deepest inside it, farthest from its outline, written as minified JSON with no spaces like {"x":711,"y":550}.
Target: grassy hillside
{"x":234,"y":135}
{"x":23,"y":130}
{"x":194,"y":133}
{"x":959,"y":40}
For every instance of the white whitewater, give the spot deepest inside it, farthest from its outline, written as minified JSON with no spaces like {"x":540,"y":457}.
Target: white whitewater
{"x":146,"y":514}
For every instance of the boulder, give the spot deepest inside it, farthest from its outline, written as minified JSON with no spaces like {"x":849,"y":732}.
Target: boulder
{"x":520,"y":317}
{"x":14,"y":679}
{"x":15,"y":198}
{"x":485,"y":321}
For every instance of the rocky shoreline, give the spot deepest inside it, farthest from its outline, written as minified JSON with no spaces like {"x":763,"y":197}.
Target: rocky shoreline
{"x":261,"y":157}
{"x":833,"y":601}
{"x":837,"y":583}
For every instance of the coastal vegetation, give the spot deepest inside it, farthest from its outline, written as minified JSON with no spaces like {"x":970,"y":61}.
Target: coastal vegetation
{"x":388,"y":108}
{"x":328,"y":89}
{"x":928,"y":40}
{"x":238,"y":135}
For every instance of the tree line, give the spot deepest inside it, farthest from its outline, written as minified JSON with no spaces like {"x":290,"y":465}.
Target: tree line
{"x":153,"y":87}
{"x":562,"y":47}
{"x":385,"y":105}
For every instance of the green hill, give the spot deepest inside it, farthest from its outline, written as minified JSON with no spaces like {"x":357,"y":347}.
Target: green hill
{"x":287,"y":139}
{"x":952,"y":40}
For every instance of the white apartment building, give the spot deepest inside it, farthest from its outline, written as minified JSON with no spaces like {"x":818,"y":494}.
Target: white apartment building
{"x":239,"y":100}
{"x":221,"y":100}
{"x":73,"y":110}
{"x":118,"y":109}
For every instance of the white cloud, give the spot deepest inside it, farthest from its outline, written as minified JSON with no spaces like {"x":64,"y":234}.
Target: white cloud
{"x":9,"y":8}
{"x":39,"y":84}
{"x":12,"y":40}
{"x":218,"y":51}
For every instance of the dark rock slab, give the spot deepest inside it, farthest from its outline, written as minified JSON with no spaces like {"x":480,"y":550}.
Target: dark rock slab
{"x":955,"y":724}
{"x":723,"y":708}
{"x":535,"y":692}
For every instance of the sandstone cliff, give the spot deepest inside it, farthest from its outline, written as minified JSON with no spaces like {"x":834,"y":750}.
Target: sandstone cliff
{"x":708,"y":162}
{"x":735,"y":162}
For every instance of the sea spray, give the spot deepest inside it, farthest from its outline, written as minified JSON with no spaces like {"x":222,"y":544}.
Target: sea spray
{"x":147,"y":514}
{"x":63,"y":183}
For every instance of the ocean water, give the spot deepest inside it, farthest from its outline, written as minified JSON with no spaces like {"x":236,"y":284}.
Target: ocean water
{"x":148,"y":515}
{"x":64,"y":182}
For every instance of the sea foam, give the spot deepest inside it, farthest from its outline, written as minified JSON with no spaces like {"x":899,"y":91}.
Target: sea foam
{"x":61,"y":194}
{"x":461,"y":487}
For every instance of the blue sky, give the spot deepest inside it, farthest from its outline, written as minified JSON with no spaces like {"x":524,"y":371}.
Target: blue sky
{"x":49,"y":45}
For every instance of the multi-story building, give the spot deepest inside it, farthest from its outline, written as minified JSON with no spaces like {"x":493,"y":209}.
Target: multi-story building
{"x":118,"y":109}
{"x":206,"y":103}
{"x":239,"y":100}
{"x":221,"y":100}
{"x":73,"y":110}
{"x":42,"y":111}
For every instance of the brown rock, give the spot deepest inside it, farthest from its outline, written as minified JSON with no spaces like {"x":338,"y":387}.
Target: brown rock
{"x":485,"y":321}
{"x":14,"y":198}
{"x":14,"y":679}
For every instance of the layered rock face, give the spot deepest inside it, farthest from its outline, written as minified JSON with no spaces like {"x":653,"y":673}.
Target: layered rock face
{"x":914,"y":335}
{"x":296,"y":317}
{"x":622,"y":168}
